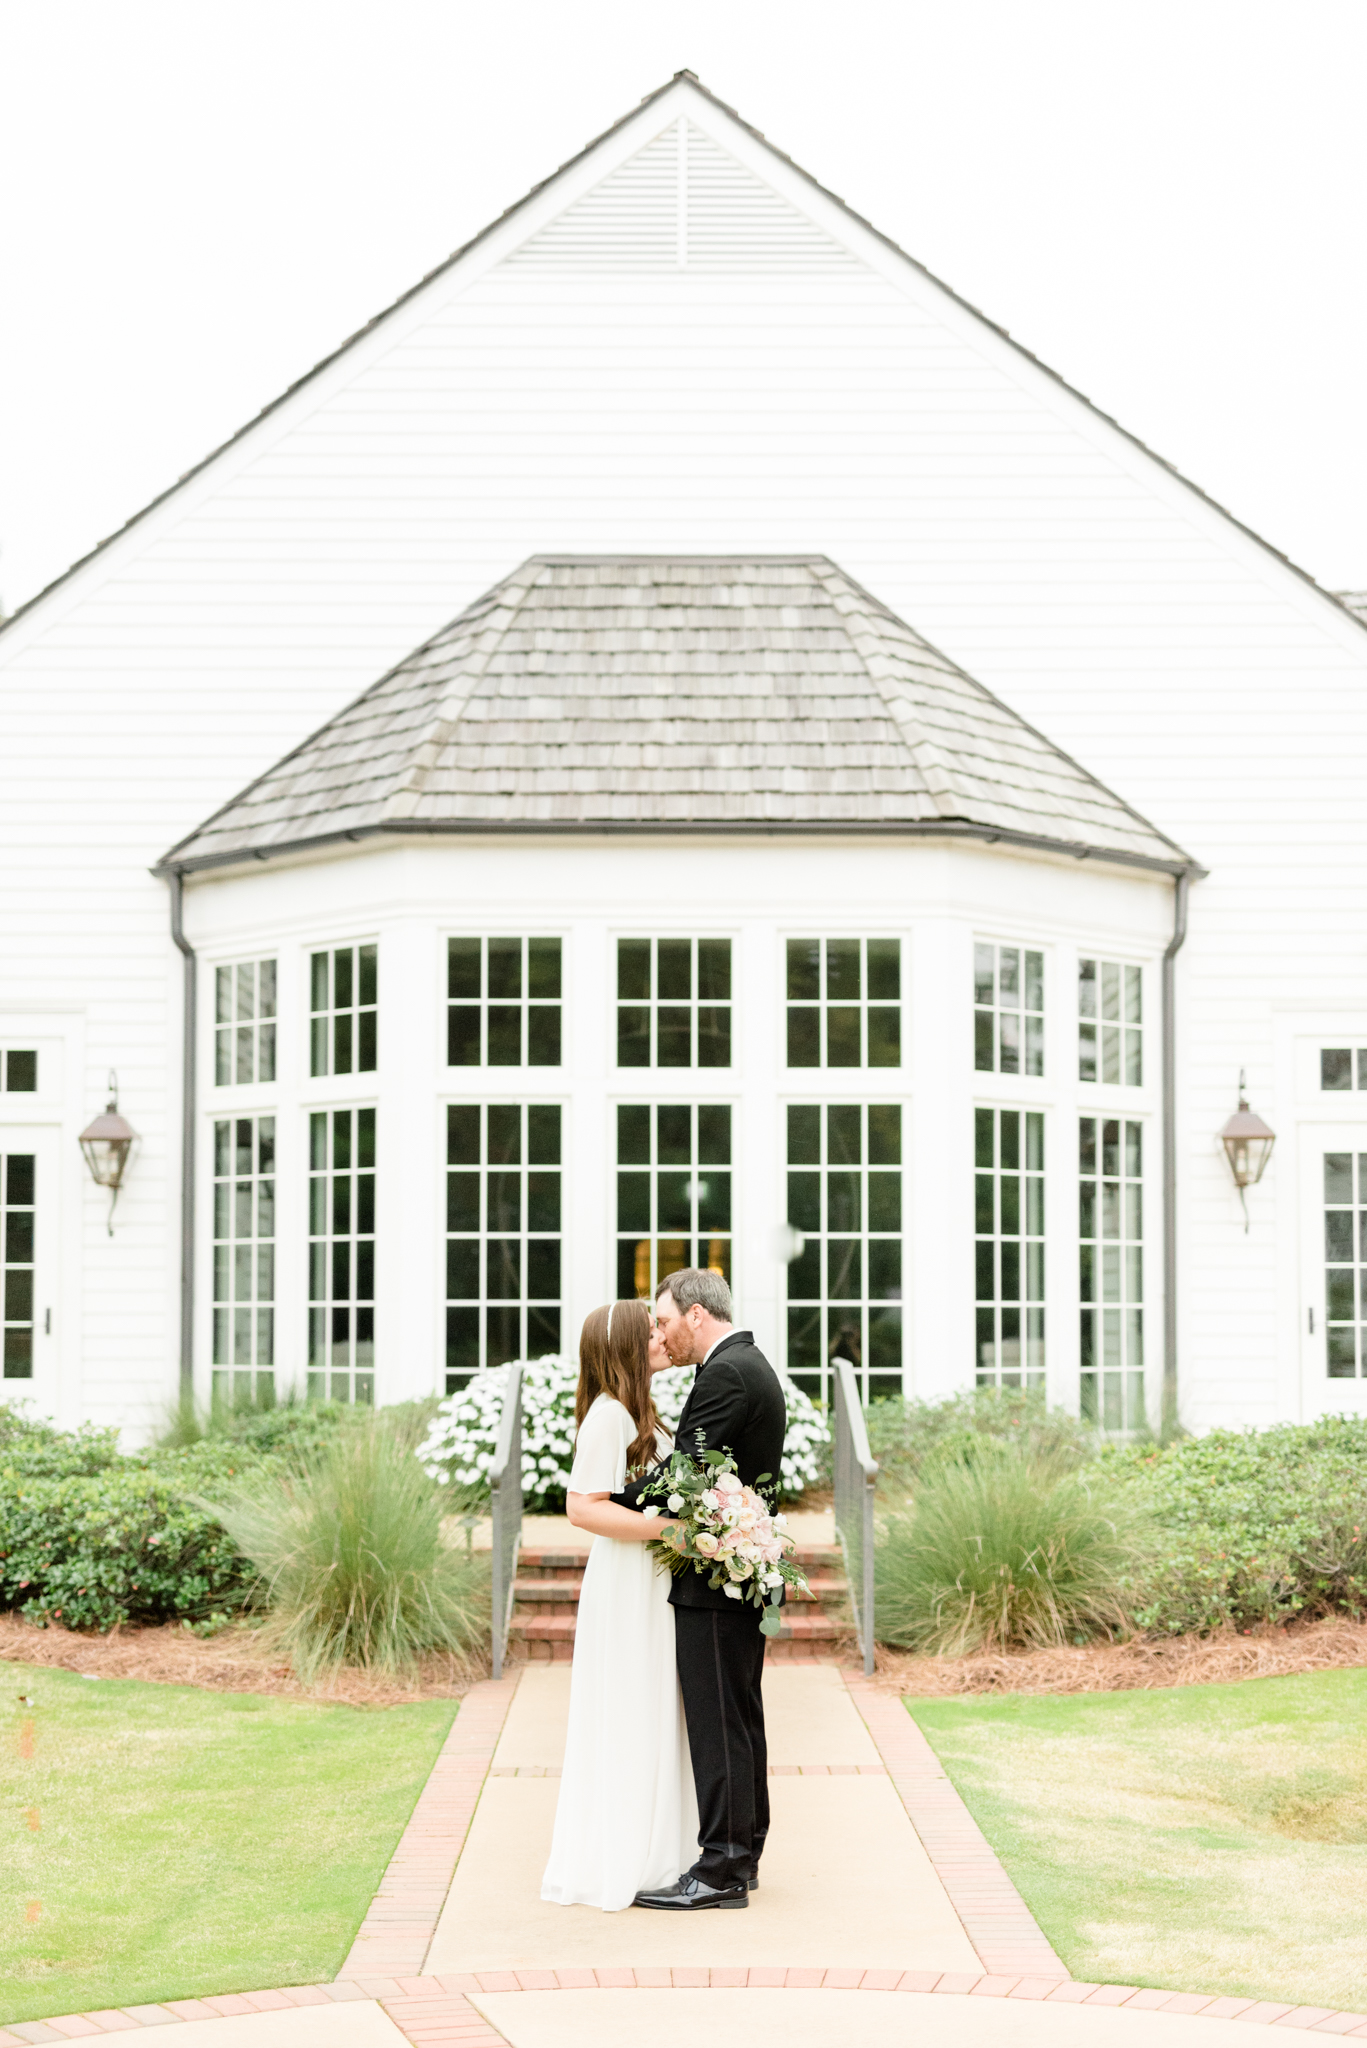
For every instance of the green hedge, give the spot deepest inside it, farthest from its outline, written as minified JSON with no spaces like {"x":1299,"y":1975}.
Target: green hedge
{"x":1229,"y":1530}
{"x":1253,"y":1525}
{"x":90,"y":1537}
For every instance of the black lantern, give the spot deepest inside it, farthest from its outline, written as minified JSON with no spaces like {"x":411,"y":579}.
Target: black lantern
{"x":108,"y":1146}
{"x":1248,"y":1143}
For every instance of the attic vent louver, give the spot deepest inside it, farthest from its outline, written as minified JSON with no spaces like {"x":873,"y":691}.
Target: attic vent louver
{"x":682,"y":203}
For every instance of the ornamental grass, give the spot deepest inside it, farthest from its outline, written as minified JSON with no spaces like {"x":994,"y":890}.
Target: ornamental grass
{"x":1003,"y":1548}
{"x":352,"y":1567}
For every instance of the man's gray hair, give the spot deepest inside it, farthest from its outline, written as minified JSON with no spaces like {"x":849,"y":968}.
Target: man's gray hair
{"x":693,"y":1287}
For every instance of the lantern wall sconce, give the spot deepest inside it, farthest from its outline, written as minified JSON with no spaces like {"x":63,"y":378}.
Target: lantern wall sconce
{"x":1248,"y":1143}
{"x":108,"y":1146}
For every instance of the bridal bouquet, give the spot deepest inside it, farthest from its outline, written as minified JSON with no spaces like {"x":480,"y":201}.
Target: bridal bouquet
{"x":725,"y":1530}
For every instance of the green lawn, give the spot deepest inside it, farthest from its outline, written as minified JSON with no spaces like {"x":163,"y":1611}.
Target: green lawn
{"x":189,"y":1842}
{"x":1202,"y":1838}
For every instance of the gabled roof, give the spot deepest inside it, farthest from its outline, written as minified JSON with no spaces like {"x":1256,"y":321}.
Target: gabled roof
{"x":689,"y":81}
{"x":677,"y":694}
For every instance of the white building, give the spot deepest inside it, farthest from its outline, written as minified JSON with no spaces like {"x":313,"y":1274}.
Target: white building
{"x":678,"y":890}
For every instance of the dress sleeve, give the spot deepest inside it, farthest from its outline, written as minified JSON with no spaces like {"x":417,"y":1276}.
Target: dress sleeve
{"x":600,"y":1449}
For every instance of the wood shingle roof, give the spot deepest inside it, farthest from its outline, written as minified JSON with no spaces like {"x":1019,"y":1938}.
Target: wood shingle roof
{"x":677,"y":693}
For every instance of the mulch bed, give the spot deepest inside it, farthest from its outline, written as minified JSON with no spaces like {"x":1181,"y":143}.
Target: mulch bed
{"x":233,"y":1662}
{"x":228,"y":1662}
{"x":1329,"y":1645}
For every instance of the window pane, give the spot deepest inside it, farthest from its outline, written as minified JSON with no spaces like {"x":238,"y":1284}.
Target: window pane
{"x":543,"y":1035}
{"x":21,"y":1073}
{"x":1336,"y":1068}
{"x":674,"y":970}
{"x":843,"y":1147}
{"x":674,"y":1046}
{"x":885,"y":1134}
{"x":633,"y":1135}
{"x":543,"y":1134}
{"x":633,"y":970}
{"x":505,"y":1031}
{"x":885,"y":970}
{"x":804,"y":1038}
{"x":804,"y":1134}
{"x":633,"y":1037}
{"x":842,"y":1037}
{"x":543,"y":968}
{"x":714,"y":1037}
{"x":714,"y":970}
{"x":505,"y":968}
{"x":674,"y":1133}
{"x":885,"y":1038}
{"x":885,"y":1201}
{"x":804,"y":971}
{"x":984,"y":975}
{"x":842,"y":970}
{"x":804,"y":1201}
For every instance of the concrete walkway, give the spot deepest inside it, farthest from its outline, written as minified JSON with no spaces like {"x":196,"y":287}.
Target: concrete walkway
{"x":845,"y":1880}
{"x":883,"y":1918}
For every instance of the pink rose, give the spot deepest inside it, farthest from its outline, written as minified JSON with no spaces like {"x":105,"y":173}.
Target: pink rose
{"x":707,"y":1545}
{"x":727,"y":1482}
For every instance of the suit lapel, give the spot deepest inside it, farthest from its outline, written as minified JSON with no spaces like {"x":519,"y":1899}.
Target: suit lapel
{"x":736,"y":1337}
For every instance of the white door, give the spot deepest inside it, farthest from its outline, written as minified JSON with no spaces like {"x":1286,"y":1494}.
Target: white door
{"x":1333,"y":1307}
{"x":29,"y":1265}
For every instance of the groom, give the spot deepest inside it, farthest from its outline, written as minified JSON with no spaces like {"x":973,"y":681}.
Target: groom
{"x":737,"y":1404}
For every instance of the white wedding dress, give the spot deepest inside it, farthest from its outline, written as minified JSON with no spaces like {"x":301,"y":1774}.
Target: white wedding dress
{"x":627,"y":1817}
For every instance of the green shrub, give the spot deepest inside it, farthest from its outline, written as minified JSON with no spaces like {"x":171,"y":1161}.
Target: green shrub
{"x":1253,"y":1526}
{"x":350,"y":1557}
{"x":1003,"y":1547}
{"x":904,"y":1436}
{"x":258,"y":1423}
{"x":122,"y":1544}
{"x":37,"y":1450}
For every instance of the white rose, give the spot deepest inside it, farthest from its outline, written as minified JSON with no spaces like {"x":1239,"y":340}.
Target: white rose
{"x":732,"y":1592}
{"x":675,"y":1503}
{"x":650,"y":1512}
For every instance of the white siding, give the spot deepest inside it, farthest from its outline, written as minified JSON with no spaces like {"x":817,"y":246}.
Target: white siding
{"x":843,"y":405}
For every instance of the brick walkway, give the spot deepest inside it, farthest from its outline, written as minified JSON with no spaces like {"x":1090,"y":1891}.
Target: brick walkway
{"x":395,"y":1935}
{"x":382,"y":1979}
{"x":996,"y":1919}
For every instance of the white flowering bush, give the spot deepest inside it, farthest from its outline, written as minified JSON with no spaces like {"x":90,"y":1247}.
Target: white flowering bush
{"x":458,"y":1450}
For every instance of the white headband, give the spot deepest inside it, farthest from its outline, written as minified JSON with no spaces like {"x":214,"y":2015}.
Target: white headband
{"x":611,"y":1306}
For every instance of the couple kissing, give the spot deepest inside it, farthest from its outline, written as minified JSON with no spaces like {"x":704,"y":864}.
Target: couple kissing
{"x":664,"y":1794}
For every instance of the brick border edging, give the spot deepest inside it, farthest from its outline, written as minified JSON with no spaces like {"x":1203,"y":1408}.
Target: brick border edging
{"x":1006,"y":1938}
{"x":437,"y":2013}
{"x":401,"y":1919}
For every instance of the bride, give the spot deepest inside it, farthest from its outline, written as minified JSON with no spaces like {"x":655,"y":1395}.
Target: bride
{"x":627,"y":1818}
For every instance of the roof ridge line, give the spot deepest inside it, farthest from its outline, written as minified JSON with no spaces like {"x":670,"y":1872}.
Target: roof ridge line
{"x":691,"y":79}
{"x":934,"y":762}
{"x":449,"y":708}
{"x":168,"y":859}
{"x":1192,"y":865}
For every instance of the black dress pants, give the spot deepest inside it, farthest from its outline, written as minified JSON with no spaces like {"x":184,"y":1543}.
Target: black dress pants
{"x":721,"y":1662}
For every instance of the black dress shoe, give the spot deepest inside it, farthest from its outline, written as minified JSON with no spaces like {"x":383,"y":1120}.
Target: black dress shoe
{"x":754,"y":1884}
{"x":691,"y":1895}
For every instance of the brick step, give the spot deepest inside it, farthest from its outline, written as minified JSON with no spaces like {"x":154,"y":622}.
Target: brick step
{"x":819,"y":1587}
{"x":546,"y":1596}
{"x":553,"y":1563}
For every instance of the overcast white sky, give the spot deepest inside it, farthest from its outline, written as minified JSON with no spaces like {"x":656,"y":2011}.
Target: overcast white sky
{"x":1164,"y":199}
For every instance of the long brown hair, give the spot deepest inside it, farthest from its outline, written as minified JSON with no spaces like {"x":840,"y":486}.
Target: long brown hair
{"x":618,"y":1364}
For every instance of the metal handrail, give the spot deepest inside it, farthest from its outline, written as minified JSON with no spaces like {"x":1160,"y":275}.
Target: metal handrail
{"x":856,"y":1474}
{"x":505,"y":1486}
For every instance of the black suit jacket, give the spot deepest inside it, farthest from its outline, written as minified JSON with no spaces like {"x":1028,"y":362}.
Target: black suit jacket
{"x":737,"y":1403}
